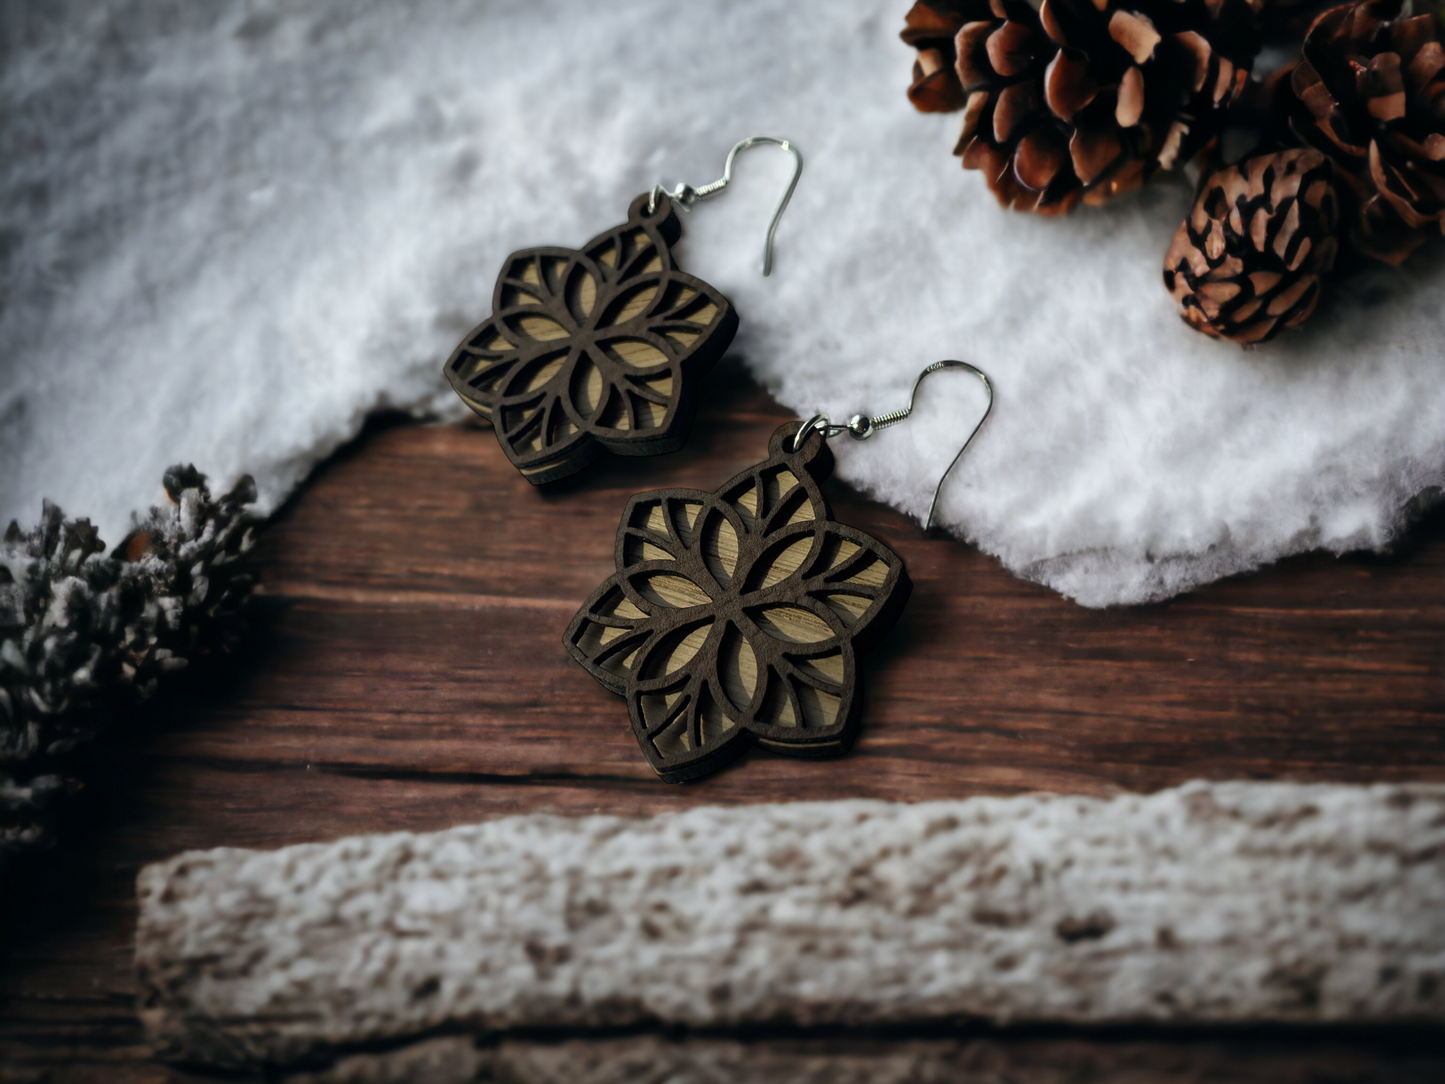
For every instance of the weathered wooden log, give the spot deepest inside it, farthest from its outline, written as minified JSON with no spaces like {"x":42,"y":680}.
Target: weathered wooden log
{"x":649,"y":1059}
{"x":1233,"y":902}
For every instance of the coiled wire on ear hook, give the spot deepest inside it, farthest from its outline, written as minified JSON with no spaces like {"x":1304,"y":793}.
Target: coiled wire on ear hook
{"x":861,"y":426}
{"x":685,"y":195}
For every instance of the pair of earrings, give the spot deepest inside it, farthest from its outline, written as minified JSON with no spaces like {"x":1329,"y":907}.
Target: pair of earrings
{"x":734,"y":617}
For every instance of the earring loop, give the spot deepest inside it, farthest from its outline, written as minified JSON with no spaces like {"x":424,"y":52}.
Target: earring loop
{"x":861,"y":426}
{"x":685,"y":195}
{"x":988,"y":387}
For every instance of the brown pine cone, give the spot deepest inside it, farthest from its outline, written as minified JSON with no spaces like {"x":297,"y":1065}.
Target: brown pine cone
{"x":1248,"y":259}
{"x":1008,"y":132}
{"x":1370,"y":93}
{"x":1086,"y":98}
{"x":930,"y":27}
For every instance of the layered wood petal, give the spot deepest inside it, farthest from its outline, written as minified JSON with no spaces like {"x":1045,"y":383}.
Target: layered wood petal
{"x":738,"y":616}
{"x":1249,"y":259}
{"x":593,"y":350}
{"x":1369,"y":93}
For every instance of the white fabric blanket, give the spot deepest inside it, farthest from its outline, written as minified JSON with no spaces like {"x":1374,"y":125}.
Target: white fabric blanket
{"x":228,"y":232}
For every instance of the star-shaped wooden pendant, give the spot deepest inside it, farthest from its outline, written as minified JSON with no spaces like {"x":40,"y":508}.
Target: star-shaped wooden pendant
{"x":738,"y":616}
{"x":594,"y":350}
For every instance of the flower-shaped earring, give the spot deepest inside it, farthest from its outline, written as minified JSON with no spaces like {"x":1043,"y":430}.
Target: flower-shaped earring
{"x":601,"y":349}
{"x":739,"y":616}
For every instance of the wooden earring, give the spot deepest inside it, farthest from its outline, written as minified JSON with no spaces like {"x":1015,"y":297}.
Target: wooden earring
{"x":738,"y":616}
{"x":600,"y":349}
{"x":593,"y":351}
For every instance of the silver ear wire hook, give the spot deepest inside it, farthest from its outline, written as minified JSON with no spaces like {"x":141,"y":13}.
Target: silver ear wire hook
{"x":685,"y":195}
{"x":861,"y":427}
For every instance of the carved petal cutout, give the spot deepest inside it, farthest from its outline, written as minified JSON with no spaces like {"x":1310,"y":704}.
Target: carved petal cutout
{"x":736,"y":616}
{"x":593,"y":350}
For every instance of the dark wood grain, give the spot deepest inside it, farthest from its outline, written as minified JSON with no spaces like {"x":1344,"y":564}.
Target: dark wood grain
{"x":406,"y":671}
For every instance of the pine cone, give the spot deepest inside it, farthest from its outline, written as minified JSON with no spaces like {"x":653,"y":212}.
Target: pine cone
{"x":82,"y":631}
{"x":1008,"y":132}
{"x":1080,"y":101}
{"x":930,"y":27}
{"x":1370,"y":93}
{"x":1248,"y":259}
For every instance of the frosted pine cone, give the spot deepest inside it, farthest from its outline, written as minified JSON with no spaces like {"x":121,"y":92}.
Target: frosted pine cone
{"x":82,"y":631}
{"x":1370,"y":93}
{"x":1078,"y":101}
{"x":1249,"y":258}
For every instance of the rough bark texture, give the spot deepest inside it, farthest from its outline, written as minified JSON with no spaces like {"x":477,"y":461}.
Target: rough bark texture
{"x":1227,"y":902}
{"x":834,"y":1060}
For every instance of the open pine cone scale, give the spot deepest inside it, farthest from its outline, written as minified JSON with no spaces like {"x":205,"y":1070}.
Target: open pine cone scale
{"x":931,"y":27}
{"x":1006,"y":132}
{"x":1370,"y":92}
{"x":1074,"y":101}
{"x":1079,"y":100}
{"x":1149,"y":75}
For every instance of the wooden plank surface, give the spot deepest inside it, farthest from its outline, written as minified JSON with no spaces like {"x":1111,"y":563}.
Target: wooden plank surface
{"x":406,"y":671}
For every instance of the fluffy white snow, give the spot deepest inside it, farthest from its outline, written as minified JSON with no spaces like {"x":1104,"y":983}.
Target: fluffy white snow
{"x":228,"y":232}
